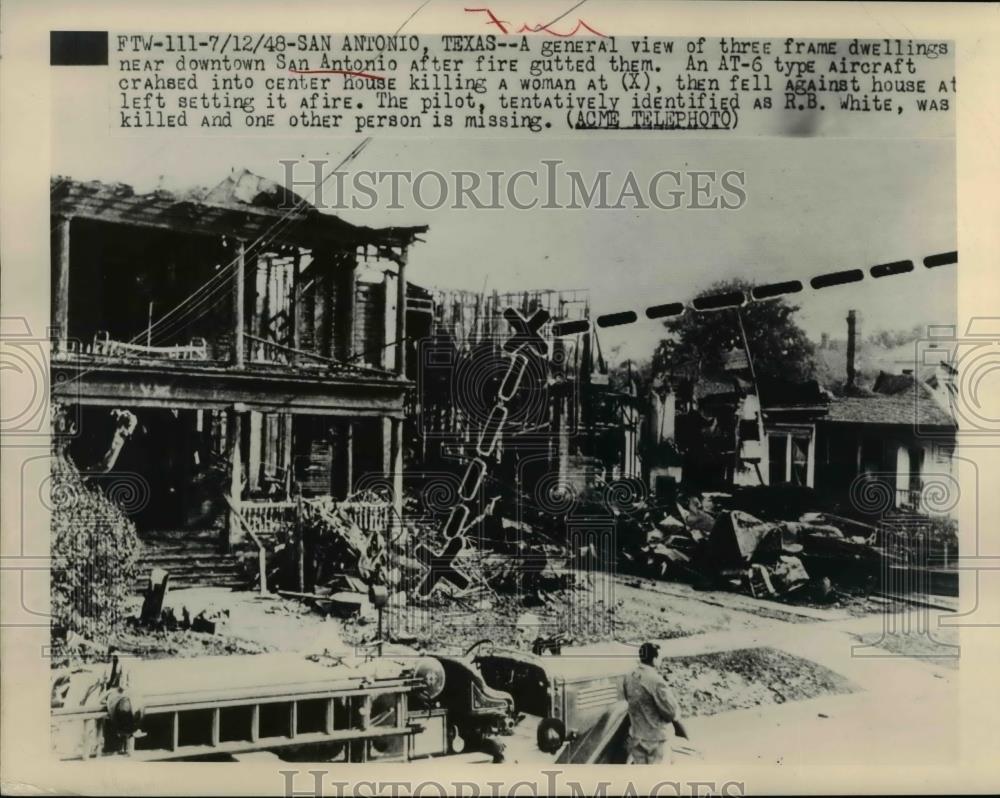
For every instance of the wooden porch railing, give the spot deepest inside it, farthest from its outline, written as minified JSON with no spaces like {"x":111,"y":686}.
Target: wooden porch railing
{"x":908,"y":499}
{"x":237,"y":521}
{"x":104,"y":346}
{"x":263,"y":520}
{"x":266,"y":518}
{"x":371,"y":517}
{"x":261,"y":350}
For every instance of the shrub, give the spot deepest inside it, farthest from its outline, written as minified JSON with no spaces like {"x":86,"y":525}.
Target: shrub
{"x":94,"y":554}
{"x":943,"y":531}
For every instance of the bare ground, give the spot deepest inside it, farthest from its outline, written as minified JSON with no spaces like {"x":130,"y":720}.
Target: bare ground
{"x":634,"y":611}
{"x":628,"y":610}
{"x":939,"y":647}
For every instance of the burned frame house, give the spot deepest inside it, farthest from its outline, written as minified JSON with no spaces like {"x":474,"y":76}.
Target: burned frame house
{"x":227,"y":348}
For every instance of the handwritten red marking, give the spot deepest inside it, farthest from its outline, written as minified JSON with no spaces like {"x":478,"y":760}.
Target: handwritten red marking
{"x":336,"y":72}
{"x":546,"y":29}
{"x":492,"y":18}
{"x":538,"y":28}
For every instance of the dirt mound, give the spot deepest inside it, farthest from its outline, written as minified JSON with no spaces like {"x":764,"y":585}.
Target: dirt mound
{"x":707,"y":684}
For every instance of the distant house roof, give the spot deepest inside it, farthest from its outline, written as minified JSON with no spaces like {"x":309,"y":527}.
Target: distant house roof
{"x":243,"y":206}
{"x":706,"y":387}
{"x":785,"y":393}
{"x":907,"y":408}
{"x":870,"y":359}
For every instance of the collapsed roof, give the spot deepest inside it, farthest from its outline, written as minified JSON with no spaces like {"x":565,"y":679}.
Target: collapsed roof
{"x":244,"y":206}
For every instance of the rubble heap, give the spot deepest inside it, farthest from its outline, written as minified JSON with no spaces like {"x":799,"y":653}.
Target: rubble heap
{"x":765,"y":558}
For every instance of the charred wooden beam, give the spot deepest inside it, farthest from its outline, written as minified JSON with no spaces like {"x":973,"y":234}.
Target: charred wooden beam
{"x":203,"y":385}
{"x":239,"y":322}
{"x":234,"y":439}
{"x":293,"y":305}
{"x":401,"y":313}
{"x":60,"y":313}
{"x":346,"y":289}
{"x":349,"y":457}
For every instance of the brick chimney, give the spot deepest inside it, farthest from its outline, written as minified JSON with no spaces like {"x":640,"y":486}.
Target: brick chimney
{"x":852,"y":333}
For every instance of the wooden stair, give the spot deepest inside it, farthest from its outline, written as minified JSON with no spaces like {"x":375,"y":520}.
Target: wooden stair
{"x":192,"y":559}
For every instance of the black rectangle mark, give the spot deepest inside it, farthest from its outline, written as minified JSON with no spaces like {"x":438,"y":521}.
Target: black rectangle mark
{"x":776,"y":289}
{"x":662,"y":311}
{"x":570,"y":327}
{"x":889,"y":269}
{"x":727,"y":299}
{"x":837,"y":278}
{"x":941,"y":259}
{"x":616,"y":319}
{"x":78,"y":48}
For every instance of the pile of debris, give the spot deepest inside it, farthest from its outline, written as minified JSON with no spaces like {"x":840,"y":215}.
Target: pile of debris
{"x":331,"y":558}
{"x":157,"y":615}
{"x":734,"y":549}
{"x":349,"y":567}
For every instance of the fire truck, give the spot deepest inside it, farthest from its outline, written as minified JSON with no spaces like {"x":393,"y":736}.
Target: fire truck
{"x":388,"y":708}
{"x":396,"y":706}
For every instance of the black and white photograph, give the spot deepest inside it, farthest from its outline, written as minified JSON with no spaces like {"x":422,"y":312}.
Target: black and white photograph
{"x":496,"y":391}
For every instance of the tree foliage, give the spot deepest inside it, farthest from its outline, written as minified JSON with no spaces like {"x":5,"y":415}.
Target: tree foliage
{"x":699,"y":341}
{"x":890,"y":339}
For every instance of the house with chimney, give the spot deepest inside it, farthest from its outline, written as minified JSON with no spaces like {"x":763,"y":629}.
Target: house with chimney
{"x":890,"y":444}
{"x":885,"y":446}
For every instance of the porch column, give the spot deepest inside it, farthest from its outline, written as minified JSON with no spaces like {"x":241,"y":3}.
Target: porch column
{"x":255,"y":458}
{"x":329,"y":293}
{"x":397,"y":465}
{"x":234,"y":438}
{"x":349,"y":457}
{"x":262,"y":325}
{"x":293,"y":302}
{"x":401,"y":314}
{"x":239,"y":292}
{"x":386,"y":445}
{"x":392,"y":460}
{"x":60,"y":317}
{"x":286,"y":452}
{"x":347,"y":277}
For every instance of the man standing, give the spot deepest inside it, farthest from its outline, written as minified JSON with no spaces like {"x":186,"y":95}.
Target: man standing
{"x":652,"y":709}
